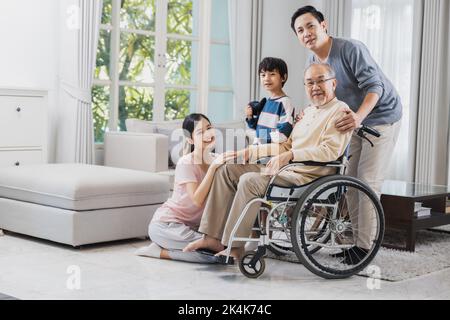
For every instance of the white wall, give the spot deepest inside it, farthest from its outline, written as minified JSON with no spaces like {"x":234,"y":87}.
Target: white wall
{"x":278,"y":40}
{"x":29,"y":58}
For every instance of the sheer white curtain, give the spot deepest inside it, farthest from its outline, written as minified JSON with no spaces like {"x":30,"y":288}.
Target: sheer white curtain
{"x":386,"y":27}
{"x":434,"y":95}
{"x":335,"y":14}
{"x":79,"y":37}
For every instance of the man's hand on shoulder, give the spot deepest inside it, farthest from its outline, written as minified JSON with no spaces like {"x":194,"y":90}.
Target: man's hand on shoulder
{"x":349,"y":121}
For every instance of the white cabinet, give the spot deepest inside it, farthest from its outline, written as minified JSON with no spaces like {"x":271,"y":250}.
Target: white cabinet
{"x":23,"y":126}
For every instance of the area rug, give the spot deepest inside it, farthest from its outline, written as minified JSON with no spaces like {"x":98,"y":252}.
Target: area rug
{"x":432,"y":254}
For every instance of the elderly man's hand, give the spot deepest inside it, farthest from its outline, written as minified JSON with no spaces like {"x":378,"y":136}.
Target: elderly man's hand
{"x":278,"y":162}
{"x":350,"y":121}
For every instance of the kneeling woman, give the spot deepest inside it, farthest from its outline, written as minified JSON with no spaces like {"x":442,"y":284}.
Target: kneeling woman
{"x":175,"y":223}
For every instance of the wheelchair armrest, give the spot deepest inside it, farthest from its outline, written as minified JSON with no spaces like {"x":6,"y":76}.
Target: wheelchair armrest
{"x":292,"y":164}
{"x":264,"y":160}
{"x":317,"y":164}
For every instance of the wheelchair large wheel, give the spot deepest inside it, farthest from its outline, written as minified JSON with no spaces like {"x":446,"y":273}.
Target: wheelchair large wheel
{"x":355,"y":224}
{"x":319,"y":224}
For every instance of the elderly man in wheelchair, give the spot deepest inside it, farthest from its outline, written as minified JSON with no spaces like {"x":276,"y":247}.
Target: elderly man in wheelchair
{"x":300,"y":202}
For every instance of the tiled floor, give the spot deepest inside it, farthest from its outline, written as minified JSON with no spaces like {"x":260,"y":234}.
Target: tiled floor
{"x":37,"y":269}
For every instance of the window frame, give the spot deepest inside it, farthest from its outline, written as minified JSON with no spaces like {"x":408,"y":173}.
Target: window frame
{"x":159,"y":85}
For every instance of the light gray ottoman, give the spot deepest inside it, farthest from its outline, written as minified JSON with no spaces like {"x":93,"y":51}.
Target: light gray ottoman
{"x":79,"y":204}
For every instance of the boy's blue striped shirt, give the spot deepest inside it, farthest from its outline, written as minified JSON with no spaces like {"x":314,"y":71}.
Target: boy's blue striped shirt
{"x":275,"y":122}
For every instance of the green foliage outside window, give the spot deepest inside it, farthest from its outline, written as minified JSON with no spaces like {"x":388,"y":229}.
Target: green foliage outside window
{"x":100,"y":107}
{"x":177,"y":104}
{"x":137,"y":63}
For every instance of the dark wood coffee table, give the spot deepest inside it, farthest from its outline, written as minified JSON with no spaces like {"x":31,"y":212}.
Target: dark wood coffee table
{"x":398,"y":199}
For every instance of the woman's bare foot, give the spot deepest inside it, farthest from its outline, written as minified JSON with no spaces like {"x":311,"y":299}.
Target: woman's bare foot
{"x":206,"y":242}
{"x":236,"y":253}
{"x":165,"y":255}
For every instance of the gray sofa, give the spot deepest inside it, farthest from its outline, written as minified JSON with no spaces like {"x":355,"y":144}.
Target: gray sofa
{"x":78,"y":204}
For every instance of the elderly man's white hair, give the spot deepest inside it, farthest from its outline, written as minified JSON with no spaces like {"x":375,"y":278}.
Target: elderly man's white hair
{"x":329,"y":69}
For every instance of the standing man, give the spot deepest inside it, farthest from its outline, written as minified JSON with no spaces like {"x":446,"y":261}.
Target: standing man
{"x":372,"y":98}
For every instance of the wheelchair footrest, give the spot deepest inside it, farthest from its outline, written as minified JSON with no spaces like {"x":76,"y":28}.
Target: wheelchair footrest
{"x":219,"y":259}
{"x":223,"y":260}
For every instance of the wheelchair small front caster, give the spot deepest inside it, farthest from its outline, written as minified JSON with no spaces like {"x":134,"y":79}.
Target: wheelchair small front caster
{"x":252,"y":270}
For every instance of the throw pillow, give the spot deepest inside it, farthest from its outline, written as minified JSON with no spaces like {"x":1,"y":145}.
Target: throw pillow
{"x":142,"y":126}
{"x":176,"y":143}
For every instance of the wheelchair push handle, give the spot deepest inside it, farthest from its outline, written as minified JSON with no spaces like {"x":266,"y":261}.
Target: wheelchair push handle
{"x":370,"y":131}
{"x":366,"y":129}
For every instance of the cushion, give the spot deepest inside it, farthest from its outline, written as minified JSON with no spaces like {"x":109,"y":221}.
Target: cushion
{"x":170,"y":175}
{"x":176,"y":142}
{"x":142,"y":126}
{"x":82,"y":187}
{"x":171,"y":125}
{"x":166,"y":128}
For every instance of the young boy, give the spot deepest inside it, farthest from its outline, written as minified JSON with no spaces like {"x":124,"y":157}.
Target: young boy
{"x":275,"y":121}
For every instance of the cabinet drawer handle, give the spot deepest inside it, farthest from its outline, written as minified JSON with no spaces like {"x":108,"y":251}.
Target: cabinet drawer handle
{"x":18,"y":109}
{"x":17,"y":163}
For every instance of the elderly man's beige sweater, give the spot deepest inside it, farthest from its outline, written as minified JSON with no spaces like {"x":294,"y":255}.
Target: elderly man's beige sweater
{"x":314,"y":138}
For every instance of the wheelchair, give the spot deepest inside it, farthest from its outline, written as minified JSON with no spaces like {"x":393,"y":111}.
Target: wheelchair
{"x":320,"y":222}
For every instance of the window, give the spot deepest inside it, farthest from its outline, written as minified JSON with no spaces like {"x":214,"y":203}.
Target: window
{"x":149,"y":62}
{"x":220,"y":83}
{"x":386,"y":27}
